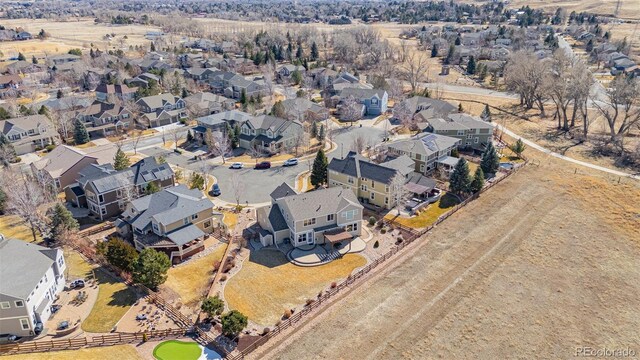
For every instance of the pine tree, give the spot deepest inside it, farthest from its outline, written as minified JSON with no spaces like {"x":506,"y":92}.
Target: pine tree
{"x":490,"y":160}
{"x":43,"y":110}
{"x":319,"y":170}
{"x":314,"y":129}
{"x":189,"y":136}
{"x":121,"y":160}
{"x":486,"y":113}
{"x":458,"y":42}
{"x":80,"y":134}
{"x":434,"y":50}
{"x":151,"y":188}
{"x":314,"y":51}
{"x":299,"y":52}
{"x":34,"y":59}
{"x":21,"y":57}
{"x":243,"y":97}
{"x":153,"y":46}
{"x":59,"y":94}
{"x":518,"y":148}
{"x":460,"y":179}
{"x":61,"y":221}
{"x":321,"y":134}
{"x":471,"y":65}
{"x":589,"y":46}
{"x":460,"y":108}
{"x":478,"y":181}
{"x":151,"y":268}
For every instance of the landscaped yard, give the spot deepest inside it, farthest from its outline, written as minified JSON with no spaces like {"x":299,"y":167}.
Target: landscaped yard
{"x":268,"y":284}
{"x":121,"y":352}
{"x":174,"y":349}
{"x":77,"y":267}
{"x":191,"y":280}
{"x":230,"y":219}
{"x":114,"y":299}
{"x":430,"y":215}
{"x":12,"y":227}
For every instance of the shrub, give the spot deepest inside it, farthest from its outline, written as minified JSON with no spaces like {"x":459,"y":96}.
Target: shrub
{"x":380,"y":223}
{"x":309,"y":302}
{"x":320,"y":294}
{"x":287,"y":314}
{"x":223,"y":278}
{"x":144,"y":337}
{"x":265,"y":331}
{"x":278,"y":322}
{"x":216,"y":265}
{"x":50,"y":147}
{"x":372,"y":221}
{"x":16,"y":160}
{"x":38,"y":148}
{"x":376,"y":244}
{"x":334,"y":285}
{"x":383,"y":231}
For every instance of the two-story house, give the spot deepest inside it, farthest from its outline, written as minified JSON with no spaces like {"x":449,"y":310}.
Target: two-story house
{"x":31,"y":276}
{"x":302,"y":109}
{"x":285,"y":72}
{"x":428,"y":151}
{"x":425,"y":108}
{"x":175,"y":220}
{"x":104,"y":92}
{"x":102,"y":118}
{"x":269,"y":134}
{"x":206,"y":103}
{"x":162,"y":109}
{"x":314,"y":217}
{"x":373,"y":100}
{"x":29,"y":133}
{"x":105,"y":191}
{"x":472,"y":131}
{"x":370,"y":182}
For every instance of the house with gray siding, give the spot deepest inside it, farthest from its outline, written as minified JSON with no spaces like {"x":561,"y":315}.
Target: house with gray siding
{"x":269,"y":134}
{"x":473,"y":132}
{"x":374,"y":100}
{"x":428,"y":151}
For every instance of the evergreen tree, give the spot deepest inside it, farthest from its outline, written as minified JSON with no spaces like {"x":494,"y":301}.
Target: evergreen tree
{"x":490,"y":160}
{"x":460,"y":179}
{"x":313,"y":129}
{"x":184,"y":93}
{"x":486,"y":113}
{"x":243,"y":97}
{"x":296,"y":76}
{"x":314,"y":51}
{"x":80,"y":134}
{"x":321,"y":133}
{"x":196,"y":181}
{"x":449,"y":58}
{"x":589,"y":46}
{"x":121,"y":254}
{"x":121,"y":160}
{"x":278,"y":110}
{"x":34,"y":59}
{"x":59,"y":94}
{"x":189,"y":136}
{"x":4,"y":114}
{"x":299,"y":52}
{"x":153,"y":46}
{"x":478,"y":181}
{"x":460,"y":108}
{"x":471,"y":65}
{"x":61,"y":221}
{"x":21,"y":57}
{"x":150,"y":269}
{"x":319,"y":170}
{"x":212,"y":306}
{"x":233,"y":322}
{"x":3,"y":201}
{"x":518,"y":148}
{"x":458,"y":41}
{"x":43,"y":110}
{"x":434,"y":50}
{"x":151,"y":188}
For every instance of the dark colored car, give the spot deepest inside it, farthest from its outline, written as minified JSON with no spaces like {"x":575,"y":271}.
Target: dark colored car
{"x":215,"y":190}
{"x":38,"y":328}
{"x":77,"y":284}
{"x":263,"y":165}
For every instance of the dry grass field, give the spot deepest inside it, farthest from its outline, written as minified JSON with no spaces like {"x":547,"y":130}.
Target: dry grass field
{"x":12,"y":227}
{"x":545,"y":262}
{"x":629,"y":9}
{"x":101,"y":353}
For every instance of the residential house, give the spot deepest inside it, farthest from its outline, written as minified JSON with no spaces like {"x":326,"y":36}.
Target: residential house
{"x":175,"y":220}
{"x":623,"y":66}
{"x":200,"y":75}
{"x":63,"y":58}
{"x":233,"y":85}
{"x":10,"y":82}
{"x":206,"y":103}
{"x":425,"y":108}
{"x":373,"y":100}
{"x":315,"y":217}
{"x":471,"y":39}
{"x":104,"y":92}
{"x":428,"y":151}
{"x":219,"y":121}
{"x":105,"y":191}
{"x":143,"y":80}
{"x":25,"y":67}
{"x":32,"y":278}
{"x":62,"y":165}
{"x":322,"y":76}
{"x":370,"y":182}
{"x":472,"y":131}
{"x":302,"y":109}
{"x":29,"y":133}
{"x":269,"y":134}
{"x":285,"y":72}
{"x":162,"y":109}
{"x":102,"y":119}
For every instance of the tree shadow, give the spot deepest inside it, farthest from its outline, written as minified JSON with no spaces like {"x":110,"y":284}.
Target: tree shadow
{"x":270,"y":258}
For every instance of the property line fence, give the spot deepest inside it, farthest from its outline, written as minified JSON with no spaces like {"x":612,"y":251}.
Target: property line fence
{"x":94,"y":341}
{"x":410,"y":235}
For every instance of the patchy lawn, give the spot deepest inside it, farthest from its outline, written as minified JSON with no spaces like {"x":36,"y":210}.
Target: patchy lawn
{"x":86,"y":145}
{"x":97,"y":353}
{"x":247,"y":159}
{"x":77,"y":267}
{"x":430,"y":215}
{"x":114,"y":300}
{"x":230,"y":219}
{"x":191,"y":281}
{"x":268,"y":284}
{"x":12,"y":226}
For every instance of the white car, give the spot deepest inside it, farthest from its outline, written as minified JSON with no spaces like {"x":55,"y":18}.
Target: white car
{"x":290,"y":162}
{"x":236,"y":165}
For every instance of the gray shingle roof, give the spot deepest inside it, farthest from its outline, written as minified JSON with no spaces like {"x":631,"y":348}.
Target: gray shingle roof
{"x":275,"y":217}
{"x":185,"y":234}
{"x":362,"y":93}
{"x":22,"y":265}
{"x":319,"y":202}
{"x":282,"y":191}
{"x":148,"y":170}
{"x":425,"y":144}
{"x":231,"y":115}
{"x":359,"y":166}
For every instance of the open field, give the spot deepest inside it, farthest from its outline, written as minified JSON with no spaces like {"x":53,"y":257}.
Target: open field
{"x":191,"y":281}
{"x":629,"y":9}
{"x":547,"y":261}
{"x":98,"y":353}
{"x":114,"y":299}
{"x":12,"y":227}
{"x":268,"y":284}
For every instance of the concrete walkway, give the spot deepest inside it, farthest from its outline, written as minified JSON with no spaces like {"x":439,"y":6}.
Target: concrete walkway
{"x":566,"y":158}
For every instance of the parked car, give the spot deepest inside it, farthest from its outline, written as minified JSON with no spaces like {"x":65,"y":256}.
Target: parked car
{"x":141,"y":317}
{"x":263,"y":165}
{"x":236,"y":165}
{"x":77,"y":284}
{"x":290,"y":162}
{"x":215,"y":190}
{"x":7,"y":338}
{"x":38,"y":328}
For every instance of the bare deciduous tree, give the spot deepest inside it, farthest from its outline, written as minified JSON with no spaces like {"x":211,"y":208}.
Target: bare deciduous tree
{"x":359,"y":144}
{"x":397,"y":191}
{"x":237,"y":186}
{"x":218,"y":143}
{"x":524,"y":74}
{"x":27,"y":199}
{"x":350,"y":109}
{"x":416,"y":67}
{"x":621,"y":110}
{"x":403,"y":113}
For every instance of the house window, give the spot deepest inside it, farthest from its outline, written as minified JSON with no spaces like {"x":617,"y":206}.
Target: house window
{"x":418,"y":157}
{"x":363,"y":187}
{"x":156,"y":228}
{"x":194,"y":216}
{"x":374,"y":101}
{"x":421,"y":167}
{"x":373,"y":184}
{"x":311,"y":221}
{"x":350,"y":214}
{"x":61,"y":261}
{"x":386,"y":201}
{"x":350,"y":180}
{"x":460,"y":132}
{"x":331,"y":217}
{"x":19,"y":303}
{"x":469,"y":136}
{"x":207,"y":224}
{"x":373,"y":195}
{"x":100,"y":198}
{"x":4,"y":305}
{"x":475,"y":140}
{"x":103,"y":211}
{"x":386,"y":188}
{"x":351,"y":227}
{"x":185,"y":221}
{"x":24,"y":323}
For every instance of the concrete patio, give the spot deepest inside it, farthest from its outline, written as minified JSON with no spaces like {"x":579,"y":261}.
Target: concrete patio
{"x":316,"y":255}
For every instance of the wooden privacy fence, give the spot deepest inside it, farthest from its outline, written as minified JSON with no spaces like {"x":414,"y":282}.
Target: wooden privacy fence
{"x":94,"y":341}
{"x":410,"y":235}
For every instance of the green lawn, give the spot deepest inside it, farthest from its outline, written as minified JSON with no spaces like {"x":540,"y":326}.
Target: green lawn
{"x":114,"y":299}
{"x":430,"y":215}
{"x":177,"y":350}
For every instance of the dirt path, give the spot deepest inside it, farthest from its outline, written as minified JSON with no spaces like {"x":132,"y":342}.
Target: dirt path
{"x":527,"y":270}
